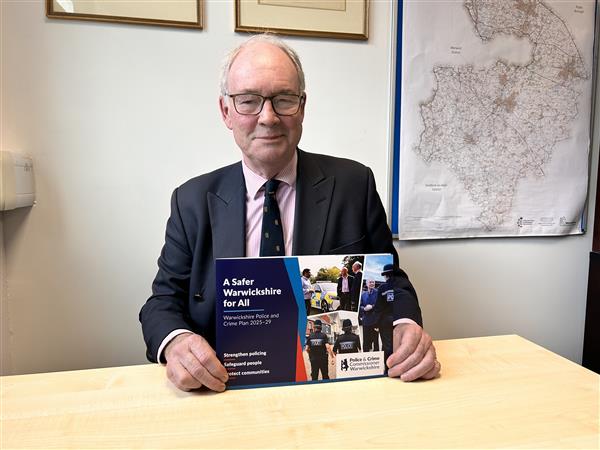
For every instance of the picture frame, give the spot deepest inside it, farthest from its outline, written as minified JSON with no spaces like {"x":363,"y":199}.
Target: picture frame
{"x":172,"y":13}
{"x":341,"y":19}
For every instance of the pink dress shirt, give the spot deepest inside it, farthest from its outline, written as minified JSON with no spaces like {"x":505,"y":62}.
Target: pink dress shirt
{"x":255,"y":197}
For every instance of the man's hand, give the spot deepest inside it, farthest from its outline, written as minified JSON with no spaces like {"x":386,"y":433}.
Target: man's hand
{"x":192,"y":363}
{"x":414,"y":354}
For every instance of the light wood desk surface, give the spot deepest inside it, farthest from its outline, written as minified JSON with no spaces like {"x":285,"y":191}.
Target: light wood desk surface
{"x":501,"y":391}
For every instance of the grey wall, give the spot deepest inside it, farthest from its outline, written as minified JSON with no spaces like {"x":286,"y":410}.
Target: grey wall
{"x":115,"y":116}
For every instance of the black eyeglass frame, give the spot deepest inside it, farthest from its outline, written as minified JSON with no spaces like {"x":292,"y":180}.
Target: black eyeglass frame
{"x":301,"y":98}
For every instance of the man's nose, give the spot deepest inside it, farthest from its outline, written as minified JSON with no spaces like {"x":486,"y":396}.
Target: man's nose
{"x":268,"y":116}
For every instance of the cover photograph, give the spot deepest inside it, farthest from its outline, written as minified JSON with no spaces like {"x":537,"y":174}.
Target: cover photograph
{"x":299,"y":319}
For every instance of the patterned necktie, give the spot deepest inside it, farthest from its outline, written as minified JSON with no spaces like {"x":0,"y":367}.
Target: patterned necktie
{"x":271,"y":241}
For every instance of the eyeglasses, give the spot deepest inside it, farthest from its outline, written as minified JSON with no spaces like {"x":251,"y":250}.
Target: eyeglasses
{"x":252,"y":104}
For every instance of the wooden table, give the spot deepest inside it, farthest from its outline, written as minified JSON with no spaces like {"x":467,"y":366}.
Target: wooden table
{"x":501,"y":391}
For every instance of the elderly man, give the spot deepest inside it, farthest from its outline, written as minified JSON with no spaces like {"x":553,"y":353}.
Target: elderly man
{"x":344,"y":289}
{"x":249,"y":209}
{"x":356,"y":285}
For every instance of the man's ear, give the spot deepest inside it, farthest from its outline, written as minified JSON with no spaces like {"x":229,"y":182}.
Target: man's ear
{"x":302,"y":106}
{"x":225,"y":111}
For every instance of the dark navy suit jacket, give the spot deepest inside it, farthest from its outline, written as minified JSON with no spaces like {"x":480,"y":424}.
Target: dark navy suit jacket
{"x":207,"y":221}
{"x":350,"y":284}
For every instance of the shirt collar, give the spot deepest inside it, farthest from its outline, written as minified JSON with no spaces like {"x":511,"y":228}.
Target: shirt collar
{"x":255,"y":182}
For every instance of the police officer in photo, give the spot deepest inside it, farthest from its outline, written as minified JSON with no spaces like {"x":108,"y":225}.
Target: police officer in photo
{"x":368,"y":318}
{"x":347,"y":342}
{"x":317,"y":348}
{"x":395,"y":304}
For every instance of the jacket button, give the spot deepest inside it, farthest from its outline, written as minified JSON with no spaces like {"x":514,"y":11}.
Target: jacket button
{"x":198,"y":297}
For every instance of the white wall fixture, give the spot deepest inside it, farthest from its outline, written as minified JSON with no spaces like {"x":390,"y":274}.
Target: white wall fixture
{"x":17,"y":188}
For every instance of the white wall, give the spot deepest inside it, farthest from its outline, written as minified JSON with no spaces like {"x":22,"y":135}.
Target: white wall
{"x":115,"y":116}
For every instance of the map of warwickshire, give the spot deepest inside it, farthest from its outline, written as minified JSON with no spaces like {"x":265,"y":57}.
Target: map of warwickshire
{"x":492,"y":126}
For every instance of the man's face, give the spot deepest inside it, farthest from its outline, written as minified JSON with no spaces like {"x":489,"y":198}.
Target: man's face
{"x":344,"y":271}
{"x":268,"y":141}
{"x":355,"y":267}
{"x":371,"y":284}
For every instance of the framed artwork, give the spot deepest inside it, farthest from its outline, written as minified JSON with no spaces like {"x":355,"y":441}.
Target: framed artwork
{"x":173,"y":13}
{"x":343,"y":19}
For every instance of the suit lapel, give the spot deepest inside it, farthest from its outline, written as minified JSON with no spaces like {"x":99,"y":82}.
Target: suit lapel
{"x":313,"y":196}
{"x":227,"y":209}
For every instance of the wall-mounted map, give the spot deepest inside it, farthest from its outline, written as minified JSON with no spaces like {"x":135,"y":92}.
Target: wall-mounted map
{"x":495,"y":129}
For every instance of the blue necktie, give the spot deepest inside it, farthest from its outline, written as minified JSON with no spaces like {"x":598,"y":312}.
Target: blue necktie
{"x":271,"y":241}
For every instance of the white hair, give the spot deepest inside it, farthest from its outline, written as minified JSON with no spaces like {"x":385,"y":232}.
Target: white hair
{"x":269,"y":39}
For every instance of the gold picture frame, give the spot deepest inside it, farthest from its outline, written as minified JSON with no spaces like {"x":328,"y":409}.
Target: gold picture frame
{"x":172,"y":13}
{"x":342,"y":19}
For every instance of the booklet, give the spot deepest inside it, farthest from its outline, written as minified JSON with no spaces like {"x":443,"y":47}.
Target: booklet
{"x":276,"y":327}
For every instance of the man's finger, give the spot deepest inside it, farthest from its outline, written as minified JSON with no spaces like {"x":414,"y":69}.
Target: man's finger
{"x":192,"y":363}
{"x":180,"y":377}
{"x":426,"y":365}
{"x":406,"y":340}
{"x":199,"y":372}
{"x":434,"y":372}
{"x":208,"y":359}
{"x":413,"y":359}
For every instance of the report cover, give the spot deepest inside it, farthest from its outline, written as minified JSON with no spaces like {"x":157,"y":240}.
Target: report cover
{"x":298,"y":319}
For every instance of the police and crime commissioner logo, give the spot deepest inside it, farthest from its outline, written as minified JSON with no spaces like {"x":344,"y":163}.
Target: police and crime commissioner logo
{"x":359,"y":364}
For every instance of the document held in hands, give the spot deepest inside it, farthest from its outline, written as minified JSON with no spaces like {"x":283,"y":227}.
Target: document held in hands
{"x":276,"y":327}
